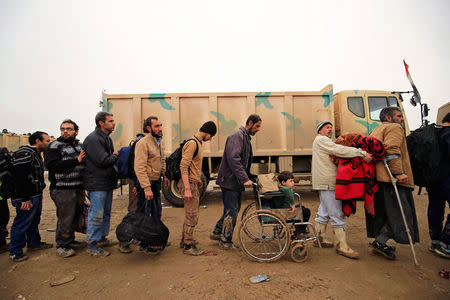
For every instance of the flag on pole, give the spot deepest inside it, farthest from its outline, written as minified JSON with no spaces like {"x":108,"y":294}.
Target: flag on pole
{"x":416,"y":98}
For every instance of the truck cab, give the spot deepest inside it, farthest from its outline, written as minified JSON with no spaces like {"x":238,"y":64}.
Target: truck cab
{"x":359,"y":110}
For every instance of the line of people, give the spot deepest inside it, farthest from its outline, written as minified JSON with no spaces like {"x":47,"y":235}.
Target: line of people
{"x":92,"y":167}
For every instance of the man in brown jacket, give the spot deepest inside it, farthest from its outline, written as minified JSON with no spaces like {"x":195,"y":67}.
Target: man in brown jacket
{"x":191,"y":172}
{"x":387,"y":222}
{"x":150,"y":166}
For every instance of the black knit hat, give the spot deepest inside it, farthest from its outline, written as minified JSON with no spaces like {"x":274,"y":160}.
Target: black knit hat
{"x":209,"y":127}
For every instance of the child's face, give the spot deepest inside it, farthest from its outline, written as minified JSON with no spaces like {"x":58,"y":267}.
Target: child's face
{"x":290,"y":183}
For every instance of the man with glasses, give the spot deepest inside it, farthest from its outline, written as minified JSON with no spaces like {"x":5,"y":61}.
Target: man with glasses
{"x":63,"y":159}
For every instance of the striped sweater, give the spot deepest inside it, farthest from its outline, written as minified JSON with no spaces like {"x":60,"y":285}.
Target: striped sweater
{"x":61,"y":160}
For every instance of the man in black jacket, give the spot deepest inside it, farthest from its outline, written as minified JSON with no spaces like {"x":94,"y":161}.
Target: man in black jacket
{"x":27,"y":197}
{"x":63,"y":159}
{"x":233,"y":178}
{"x":100,"y":179}
{"x":439,"y":195}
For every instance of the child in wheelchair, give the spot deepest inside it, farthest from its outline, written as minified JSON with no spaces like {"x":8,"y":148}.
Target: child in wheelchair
{"x":285,"y":205}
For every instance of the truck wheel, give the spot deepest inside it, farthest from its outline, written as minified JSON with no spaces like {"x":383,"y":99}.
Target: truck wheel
{"x":173,"y":195}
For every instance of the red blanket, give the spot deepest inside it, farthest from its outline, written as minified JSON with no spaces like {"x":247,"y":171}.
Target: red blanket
{"x":356,"y":179}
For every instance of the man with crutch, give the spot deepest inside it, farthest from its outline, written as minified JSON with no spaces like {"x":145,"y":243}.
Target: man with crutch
{"x":394,"y":203}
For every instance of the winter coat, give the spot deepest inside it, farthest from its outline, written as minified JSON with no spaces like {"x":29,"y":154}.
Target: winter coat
{"x":100,"y":169}
{"x":234,"y":168}
{"x":149,"y":161}
{"x":393,"y":137}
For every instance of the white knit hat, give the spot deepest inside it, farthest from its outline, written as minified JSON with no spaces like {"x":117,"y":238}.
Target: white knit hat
{"x":321,"y":124}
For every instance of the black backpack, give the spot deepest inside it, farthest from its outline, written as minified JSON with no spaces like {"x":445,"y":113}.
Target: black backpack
{"x":173,"y":161}
{"x":424,"y":155}
{"x":6,"y":174}
{"x":147,"y":229}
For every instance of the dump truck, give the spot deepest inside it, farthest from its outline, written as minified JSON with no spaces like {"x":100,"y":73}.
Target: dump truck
{"x":288,"y":123}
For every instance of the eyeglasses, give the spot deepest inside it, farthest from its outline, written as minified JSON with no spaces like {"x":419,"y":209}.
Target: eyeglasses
{"x":66,"y":129}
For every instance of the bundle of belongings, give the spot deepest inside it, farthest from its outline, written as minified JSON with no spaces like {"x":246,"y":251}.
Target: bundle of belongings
{"x":355,"y":179}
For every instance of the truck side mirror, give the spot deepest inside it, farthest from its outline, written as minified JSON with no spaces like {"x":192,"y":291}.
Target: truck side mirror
{"x":425,"y":110}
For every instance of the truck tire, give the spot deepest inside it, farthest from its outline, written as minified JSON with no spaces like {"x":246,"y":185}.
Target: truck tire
{"x":173,"y":195}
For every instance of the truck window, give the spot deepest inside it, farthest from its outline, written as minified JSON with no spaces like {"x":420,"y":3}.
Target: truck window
{"x":356,"y":106}
{"x":376,"y":104}
{"x":392,"y":101}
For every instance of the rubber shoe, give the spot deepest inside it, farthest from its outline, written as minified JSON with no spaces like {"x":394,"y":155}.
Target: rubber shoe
{"x":98,"y":252}
{"x":41,"y":246}
{"x":382,"y":249}
{"x":18,"y":257}
{"x":65,"y":252}
{"x":228,"y":246}
{"x":214,"y":236}
{"x":192,"y":250}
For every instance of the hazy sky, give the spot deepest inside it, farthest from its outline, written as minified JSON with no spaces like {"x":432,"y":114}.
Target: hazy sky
{"x":57,"y":56}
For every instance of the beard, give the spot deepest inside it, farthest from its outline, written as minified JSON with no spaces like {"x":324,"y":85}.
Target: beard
{"x":70,"y":139}
{"x":155,"y":135}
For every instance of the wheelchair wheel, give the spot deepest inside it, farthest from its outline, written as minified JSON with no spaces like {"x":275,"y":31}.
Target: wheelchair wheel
{"x":264,"y":236}
{"x":249,"y":209}
{"x":298,"y":252}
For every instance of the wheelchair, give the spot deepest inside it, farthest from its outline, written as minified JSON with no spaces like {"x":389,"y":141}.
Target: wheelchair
{"x":266,"y":236}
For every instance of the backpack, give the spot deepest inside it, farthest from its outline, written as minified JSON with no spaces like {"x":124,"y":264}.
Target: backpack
{"x":147,"y":229}
{"x":173,"y":161}
{"x":6,"y":174}
{"x":424,"y":155}
{"x":125,"y":163}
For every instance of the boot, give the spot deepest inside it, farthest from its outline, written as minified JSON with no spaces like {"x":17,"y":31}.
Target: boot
{"x":341,"y":247}
{"x":321,"y":229}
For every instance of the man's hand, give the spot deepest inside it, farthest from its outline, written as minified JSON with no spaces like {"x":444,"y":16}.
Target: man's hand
{"x":148,"y":194}
{"x":166,"y":182}
{"x":248,"y":183}
{"x":292,"y":210}
{"x":26,"y":205}
{"x":134,"y":191}
{"x":81,"y":156}
{"x":367,"y":158}
{"x":402,"y":178}
{"x":187,"y":195}
{"x":116,"y":153}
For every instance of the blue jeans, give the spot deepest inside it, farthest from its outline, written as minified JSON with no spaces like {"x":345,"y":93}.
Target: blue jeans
{"x":231,"y":206}
{"x":24,"y":230}
{"x":99,"y":215}
{"x":147,"y":207}
{"x":438,"y":196}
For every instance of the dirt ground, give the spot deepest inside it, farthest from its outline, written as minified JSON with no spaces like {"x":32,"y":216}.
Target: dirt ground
{"x":173,"y":275}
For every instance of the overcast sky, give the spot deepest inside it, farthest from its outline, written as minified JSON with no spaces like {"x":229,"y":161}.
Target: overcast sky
{"x":57,"y":56}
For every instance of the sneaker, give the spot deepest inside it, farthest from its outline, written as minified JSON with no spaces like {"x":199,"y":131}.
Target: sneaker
{"x":125,"y":247}
{"x":97,"y":251}
{"x":149,"y":251}
{"x":183,"y":244}
{"x":18,"y":257}
{"x":383,"y":249}
{"x":65,"y":252}
{"x":440,"y":250}
{"x":75,"y":245}
{"x":215,"y":236}
{"x":41,"y":246}
{"x":104,"y":242}
{"x":192,"y":250}
{"x":227,"y":246}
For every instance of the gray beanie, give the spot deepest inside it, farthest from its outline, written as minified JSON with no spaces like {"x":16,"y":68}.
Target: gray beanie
{"x":321,"y":124}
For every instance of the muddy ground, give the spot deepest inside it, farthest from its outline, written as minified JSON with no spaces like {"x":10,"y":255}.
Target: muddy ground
{"x":173,"y":275}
